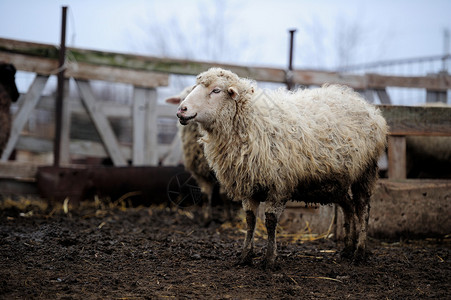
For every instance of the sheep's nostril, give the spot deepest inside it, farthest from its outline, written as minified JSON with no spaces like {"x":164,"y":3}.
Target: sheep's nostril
{"x":181,"y":110}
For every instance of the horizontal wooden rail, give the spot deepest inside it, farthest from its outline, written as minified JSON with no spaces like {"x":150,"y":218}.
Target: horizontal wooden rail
{"x":109,"y":108}
{"x":90,"y":64}
{"x":43,"y":59}
{"x":418,"y":120}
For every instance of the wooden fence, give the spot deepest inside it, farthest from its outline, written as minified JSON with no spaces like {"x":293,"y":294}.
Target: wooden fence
{"x":100,"y":140}
{"x":147,"y":73}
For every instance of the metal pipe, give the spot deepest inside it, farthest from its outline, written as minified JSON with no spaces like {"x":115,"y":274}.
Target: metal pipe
{"x":446,"y":53}
{"x":60,"y":91}
{"x":290,"y":61}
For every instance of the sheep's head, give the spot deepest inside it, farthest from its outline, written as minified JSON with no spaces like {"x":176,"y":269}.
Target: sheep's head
{"x":215,"y":95}
{"x":7,"y":79}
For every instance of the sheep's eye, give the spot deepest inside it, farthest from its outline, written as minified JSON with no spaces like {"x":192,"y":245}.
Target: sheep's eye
{"x":216,"y":91}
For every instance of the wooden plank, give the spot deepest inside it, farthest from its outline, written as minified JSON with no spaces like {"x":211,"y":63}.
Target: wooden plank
{"x":151,"y":150}
{"x":101,"y":123}
{"x":171,"y":65}
{"x":145,"y":127}
{"x":109,"y":109}
{"x":34,"y":144}
{"x":18,"y":170}
{"x":78,"y":147}
{"x":120,"y":63}
{"x":307,"y":77}
{"x":139,"y":123}
{"x":418,"y":120}
{"x":383,"y":96}
{"x":142,"y":78}
{"x":135,"y":62}
{"x":396,"y":157}
{"x":93,"y":149}
{"x":439,"y":82}
{"x":87,"y":148}
{"x":87,"y":71}
{"x":29,"y":103}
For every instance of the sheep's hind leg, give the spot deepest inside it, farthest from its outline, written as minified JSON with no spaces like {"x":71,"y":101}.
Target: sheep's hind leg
{"x":350,"y":230}
{"x":271,"y":251}
{"x":360,"y":253}
{"x":247,"y":254}
{"x":362,"y":191}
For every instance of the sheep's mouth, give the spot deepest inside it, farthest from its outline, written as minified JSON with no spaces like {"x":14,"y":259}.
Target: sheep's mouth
{"x":184,"y":120}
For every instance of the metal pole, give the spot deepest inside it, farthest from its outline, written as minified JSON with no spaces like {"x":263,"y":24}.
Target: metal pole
{"x":60,"y":91}
{"x":290,"y":61}
{"x":445,"y":49}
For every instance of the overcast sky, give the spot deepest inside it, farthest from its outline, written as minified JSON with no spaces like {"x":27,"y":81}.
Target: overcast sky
{"x":389,"y":29}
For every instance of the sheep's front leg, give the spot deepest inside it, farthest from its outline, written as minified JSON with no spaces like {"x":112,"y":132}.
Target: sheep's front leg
{"x":349,"y":226}
{"x":250,"y":207}
{"x":271,"y":251}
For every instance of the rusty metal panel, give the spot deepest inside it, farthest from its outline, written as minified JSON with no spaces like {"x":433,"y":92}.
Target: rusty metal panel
{"x":82,"y":183}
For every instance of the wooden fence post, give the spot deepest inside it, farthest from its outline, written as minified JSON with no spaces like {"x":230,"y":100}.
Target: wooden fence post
{"x":145,"y":131}
{"x":396,"y":157}
{"x":139,"y":130}
{"x":152,"y":128}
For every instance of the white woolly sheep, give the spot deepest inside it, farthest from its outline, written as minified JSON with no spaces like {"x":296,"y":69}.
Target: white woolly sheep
{"x":195,"y":162}
{"x":318,"y":146}
{"x":8,"y":94}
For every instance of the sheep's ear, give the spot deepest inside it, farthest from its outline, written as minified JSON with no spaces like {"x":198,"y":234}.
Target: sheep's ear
{"x":173,"y":100}
{"x":233,"y":93}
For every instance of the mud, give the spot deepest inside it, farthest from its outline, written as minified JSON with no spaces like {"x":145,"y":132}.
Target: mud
{"x":105,"y":252}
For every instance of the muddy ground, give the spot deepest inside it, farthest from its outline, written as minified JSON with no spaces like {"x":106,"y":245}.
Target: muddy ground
{"x":110,"y":252}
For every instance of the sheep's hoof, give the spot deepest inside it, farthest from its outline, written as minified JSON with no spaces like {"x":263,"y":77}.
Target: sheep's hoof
{"x":209,"y":221}
{"x":347,"y":252}
{"x":245,"y":259}
{"x":360,"y":256}
{"x":269,"y":264}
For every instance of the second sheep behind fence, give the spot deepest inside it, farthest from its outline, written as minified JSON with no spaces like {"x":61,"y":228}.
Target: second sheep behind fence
{"x":8,"y":94}
{"x":196,"y":164}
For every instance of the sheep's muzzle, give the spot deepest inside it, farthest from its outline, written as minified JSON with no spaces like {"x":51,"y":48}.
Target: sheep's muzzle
{"x":184,"y":119}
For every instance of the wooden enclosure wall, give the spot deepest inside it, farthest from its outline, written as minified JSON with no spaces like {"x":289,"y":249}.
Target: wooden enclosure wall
{"x":146,"y":74}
